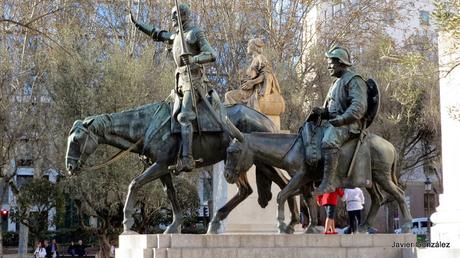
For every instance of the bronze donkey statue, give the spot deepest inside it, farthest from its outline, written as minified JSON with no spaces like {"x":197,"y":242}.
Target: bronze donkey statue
{"x":286,"y":151}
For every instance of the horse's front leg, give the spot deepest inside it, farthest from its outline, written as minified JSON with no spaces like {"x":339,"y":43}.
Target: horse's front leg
{"x":311,"y":206}
{"x":153,"y":172}
{"x":244,"y":190}
{"x":175,"y":226}
{"x":295,"y":214}
{"x":290,"y":189}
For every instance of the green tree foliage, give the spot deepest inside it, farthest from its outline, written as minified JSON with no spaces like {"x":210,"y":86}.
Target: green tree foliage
{"x":35,"y":200}
{"x":448,"y":16}
{"x":409,"y":114}
{"x":154,"y":206}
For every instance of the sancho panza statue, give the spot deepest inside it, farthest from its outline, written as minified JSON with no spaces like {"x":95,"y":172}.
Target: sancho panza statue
{"x":199,"y":52}
{"x":344,"y":110}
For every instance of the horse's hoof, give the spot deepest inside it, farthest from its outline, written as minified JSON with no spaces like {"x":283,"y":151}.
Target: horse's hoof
{"x":290,"y":230}
{"x":129,"y":232}
{"x":172,"y":230}
{"x":312,"y":230}
{"x":282,"y":228}
{"x":211,"y":231}
{"x":364,"y":228}
{"x":213,"y":228}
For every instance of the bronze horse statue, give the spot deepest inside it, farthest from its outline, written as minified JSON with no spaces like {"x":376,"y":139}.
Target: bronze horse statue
{"x":286,"y":151}
{"x":128,"y":130}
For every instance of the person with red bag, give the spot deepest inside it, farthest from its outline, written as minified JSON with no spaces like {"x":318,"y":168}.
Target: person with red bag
{"x":329,"y":202}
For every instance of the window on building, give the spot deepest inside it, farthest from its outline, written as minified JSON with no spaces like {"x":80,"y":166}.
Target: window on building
{"x":25,"y":162}
{"x":4,"y":224}
{"x":6,"y":200}
{"x":24,"y":156}
{"x":337,"y":8}
{"x":424,"y":18}
{"x":390,"y":17}
{"x":23,"y":179}
{"x":27,"y":90}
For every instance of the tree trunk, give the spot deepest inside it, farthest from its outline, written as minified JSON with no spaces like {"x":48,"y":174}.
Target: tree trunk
{"x":104,"y":246}
{"x":23,"y":230}
{"x":1,"y":238}
{"x":4,"y":190}
{"x":23,"y":240}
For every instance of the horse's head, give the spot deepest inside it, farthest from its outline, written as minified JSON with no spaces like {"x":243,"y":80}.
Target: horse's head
{"x":239,"y":160}
{"x":80,"y":144}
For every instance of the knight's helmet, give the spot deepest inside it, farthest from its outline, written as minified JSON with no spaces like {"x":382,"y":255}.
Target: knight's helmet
{"x":340,"y":53}
{"x":185,"y":12}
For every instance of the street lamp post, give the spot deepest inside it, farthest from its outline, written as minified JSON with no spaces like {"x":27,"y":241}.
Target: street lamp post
{"x":428,"y":185}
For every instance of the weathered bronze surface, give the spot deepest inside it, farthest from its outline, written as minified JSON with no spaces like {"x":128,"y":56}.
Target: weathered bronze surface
{"x":150,"y":127}
{"x":259,"y":82}
{"x":287,"y":151}
{"x":332,"y":146}
{"x":343,"y":113}
{"x":191,"y":50}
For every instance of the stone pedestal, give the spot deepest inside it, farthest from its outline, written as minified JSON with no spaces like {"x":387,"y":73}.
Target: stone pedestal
{"x":247,"y":217}
{"x":265,"y":245}
{"x":446,"y":219}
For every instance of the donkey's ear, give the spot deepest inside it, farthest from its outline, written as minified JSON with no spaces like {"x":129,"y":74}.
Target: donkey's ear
{"x":87,"y":122}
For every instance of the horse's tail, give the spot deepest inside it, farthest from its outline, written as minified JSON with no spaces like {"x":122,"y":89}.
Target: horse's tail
{"x":383,"y":198}
{"x":264,"y":185}
{"x":394,"y":167}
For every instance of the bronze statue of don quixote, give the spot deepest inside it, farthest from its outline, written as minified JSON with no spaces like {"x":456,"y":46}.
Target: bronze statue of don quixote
{"x":332,"y":149}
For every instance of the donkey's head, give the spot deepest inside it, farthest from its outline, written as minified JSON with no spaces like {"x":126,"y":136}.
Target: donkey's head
{"x":80,"y":144}
{"x":239,"y":160}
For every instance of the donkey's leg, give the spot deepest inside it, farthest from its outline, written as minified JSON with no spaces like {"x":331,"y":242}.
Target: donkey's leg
{"x":175,"y":226}
{"x":384,"y":180}
{"x":244,"y":190}
{"x":153,"y":172}
{"x":312,"y":210}
{"x":281,"y":181}
{"x":375,"y":206}
{"x":293,"y":186}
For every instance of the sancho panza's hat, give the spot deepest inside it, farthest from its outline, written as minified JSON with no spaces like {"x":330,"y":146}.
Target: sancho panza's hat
{"x":340,"y":53}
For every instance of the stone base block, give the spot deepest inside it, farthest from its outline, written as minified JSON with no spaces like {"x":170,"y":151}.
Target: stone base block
{"x":264,"y":245}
